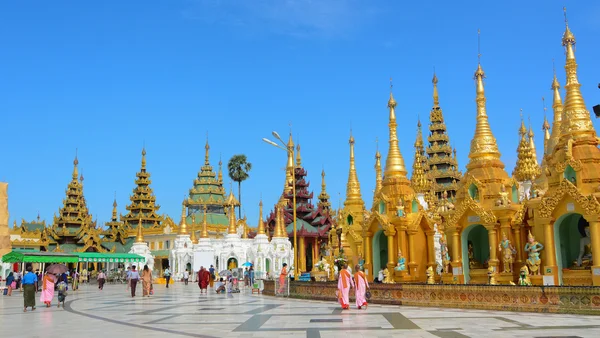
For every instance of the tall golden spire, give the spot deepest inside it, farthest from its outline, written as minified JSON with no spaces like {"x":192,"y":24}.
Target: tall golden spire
{"x":75,"y":163}
{"x":394,"y":164}
{"x":290,"y":164}
{"x":278,"y":220}
{"x":220,"y":176}
{"x":353,"y":195}
{"x":557,"y":109}
{"x":298,"y":157}
{"x":114,"y":211}
{"x":484,"y":149}
{"x":436,"y":98}
{"x":232,"y":225}
{"x":207,"y":148}
{"x":526,"y":167}
{"x":532,"y":144}
{"x":140,"y":234}
{"x":182,"y":226}
{"x":576,"y":122}
{"x":324,"y":196}
{"x":204,"y":232}
{"x":419,"y":180}
{"x":143,"y":159}
{"x":261,"y":223}
{"x":378,"y":177}
{"x":193,"y":237}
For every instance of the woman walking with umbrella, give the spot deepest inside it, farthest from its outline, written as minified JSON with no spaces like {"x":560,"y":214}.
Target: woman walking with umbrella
{"x":47,"y":289}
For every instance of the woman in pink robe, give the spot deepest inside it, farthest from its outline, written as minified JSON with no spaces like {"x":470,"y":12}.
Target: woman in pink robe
{"x":47,"y":289}
{"x":344,"y":284}
{"x":362,"y":285}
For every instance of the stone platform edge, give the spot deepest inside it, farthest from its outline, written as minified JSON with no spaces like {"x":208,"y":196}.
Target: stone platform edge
{"x":544,"y":299}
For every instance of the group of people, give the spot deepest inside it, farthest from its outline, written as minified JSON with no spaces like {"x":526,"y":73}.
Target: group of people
{"x":359,"y":283}
{"x":133,"y":277}
{"x":32,"y":282}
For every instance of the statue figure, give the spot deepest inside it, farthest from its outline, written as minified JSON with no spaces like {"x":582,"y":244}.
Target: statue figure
{"x":361,"y":261}
{"x":492,"y":276}
{"x":430,"y":275}
{"x":473,"y":263}
{"x":400,"y":208}
{"x":387,"y":277}
{"x":533,"y":249}
{"x":508,"y":251}
{"x":504,"y":201}
{"x":585,"y":249}
{"x":445,"y":255}
{"x":401,"y":266}
{"x":524,"y":276}
{"x":533,"y":192}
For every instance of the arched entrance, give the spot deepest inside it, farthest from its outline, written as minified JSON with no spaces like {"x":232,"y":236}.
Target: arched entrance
{"x":308,"y":253}
{"x":232,"y":263}
{"x":475,"y":251}
{"x":380,"y":251}
{"x":570,"y":237}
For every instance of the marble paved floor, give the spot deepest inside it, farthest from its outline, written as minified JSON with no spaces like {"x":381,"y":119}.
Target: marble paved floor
{"x":181,"y":311}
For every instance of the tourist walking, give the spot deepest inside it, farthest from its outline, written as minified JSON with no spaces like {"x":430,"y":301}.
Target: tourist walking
{"x":212,"y":276}
{"x":282,"y":277}
{"x":146,"y":281}
{"x":19,"y":279}
{"x":47,"y":295}
{"x":186,"y":276}
{"x":11,"y":283}
{"x":28,"y":283}
{"x":251,"y":276}
{"x":246,"y":277}
{"x":344,"y":284}
{"x":134,"y":277}
{"x":203,"y":279}
{"x":75,"y":279}
{"x":167,"y":275}
{"x":101,"y":280}
{"x":128,"y":277}
{"x":361,"y":287}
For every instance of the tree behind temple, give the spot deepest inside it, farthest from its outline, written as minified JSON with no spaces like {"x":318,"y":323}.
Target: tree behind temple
{"x":238,"y":168}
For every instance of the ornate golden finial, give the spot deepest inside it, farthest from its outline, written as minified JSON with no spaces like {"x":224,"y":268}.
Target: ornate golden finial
{"x":261,"y":224}
{"x":114,"y":211}
{"x":290,"y":164}
{"x":75,"y":163}
{"x":353,"y":195}
{"x":232,"y":225}
{"x":193,"y":237}
{"x":436,"y":98}
{"x":557,"y":109}
{"x":419,"y":180}
{"x":531,"y":142}
{"x":207,"y":148}
{"x":220,"y":176}
{"x":478,"y":46}
{"x":545,"y":127}
{"x":483,"y":145}
{"x":578,"y":124}
{"x":298,"y":157}
{"x":526,"y":167}
{"x":277,"y":233}
{"x":204,"y":232}
{"x":144,"y":158}
{"x":378,"y":177}
{"x":394,"y":165}
{"x":140,"y":234}
{"x":182,"y":224}
{"x":324,"y":196}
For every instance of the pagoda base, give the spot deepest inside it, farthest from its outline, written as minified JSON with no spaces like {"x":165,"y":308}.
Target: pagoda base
{"x":504,"y":278}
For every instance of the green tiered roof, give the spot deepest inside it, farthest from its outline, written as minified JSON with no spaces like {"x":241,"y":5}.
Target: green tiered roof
{"x":207,"y":190}
{"x":143,"y":202}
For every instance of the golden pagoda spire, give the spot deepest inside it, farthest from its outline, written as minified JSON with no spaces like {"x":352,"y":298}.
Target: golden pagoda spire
{"x":324,"y":196}
{"x":557,"y":109}
{"x":193,"y":235}
{"x":353,"y":195}
{"x":378,"y":177}
{"x":220,"y":176}
{"x":140,"y":234}
{"x":436,"y":98}
{"x":207,"y":148}
{"x":532,"y":144}
{"x":75,"y":163}
{"x":290,"y":164}
{"x":298,"y":157}
{"x":483,"y":145}
{"x":204,"y":232}
{"x":576,"y":122}
{"x":545,"y":128}
{"x":277,"y":230}
{"x":182,"y":226}
{"x":143,"y":159}
{"x":394,"y":164}
{"x":261,"y":224}
{"x":526,"y":167}
{"x":419,"y":180}
{"x":232,"y":226}
{"x":114,"y":211}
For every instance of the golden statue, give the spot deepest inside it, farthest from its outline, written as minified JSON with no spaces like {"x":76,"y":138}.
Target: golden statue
{"x":473,"y":263}
{"x":533,"y":249}
{"x":504,"y":201}
{"x":430,"y":275}
{"x":524,"y":276}
{"x":492,"y":276}
{"x":508,"y":252}
{"x":387,"y":277}
{"x":584,"y":259}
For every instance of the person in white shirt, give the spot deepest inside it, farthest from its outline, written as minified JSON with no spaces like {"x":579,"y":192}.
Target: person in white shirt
{"x":186,"y":276}
{"x":219,"y":286}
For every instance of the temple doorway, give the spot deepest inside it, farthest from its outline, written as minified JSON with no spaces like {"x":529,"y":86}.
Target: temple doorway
{"x":380,"y":252}
{"x":309,"y":257}
{"x":475,"y":253}
{"x":267,"y":265}
{"x":232,"y":263}
{"x":571,"y":237}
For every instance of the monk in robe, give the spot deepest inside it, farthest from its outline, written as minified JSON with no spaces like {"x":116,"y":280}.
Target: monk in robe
{"x":282,"y":277}
{"x":344,"y":284}
{"x":47,"y":289}
{"x":362,"y":285}
{"x":203,"y":279}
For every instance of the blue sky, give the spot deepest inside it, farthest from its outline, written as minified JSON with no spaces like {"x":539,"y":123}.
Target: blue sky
{"x":105,"y":77}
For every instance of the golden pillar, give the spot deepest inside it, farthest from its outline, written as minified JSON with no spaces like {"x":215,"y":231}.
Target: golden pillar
{"x":431,"y":249}
{"x":391,"y":256}
{"x":369,"y":255}
{"x":302,"y":254}
{"x":456,"y":248}
{"x":493,"y":239}
{"x":316,"y":257}
{"x":595,"y":241}
{"x":549,"y":246}
{"x":412,"y":264}
{"x":518,"y":245}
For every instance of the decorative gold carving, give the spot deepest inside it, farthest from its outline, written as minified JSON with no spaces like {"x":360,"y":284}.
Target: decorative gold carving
{"x":589,"y":204}
{"x":487,"y":217}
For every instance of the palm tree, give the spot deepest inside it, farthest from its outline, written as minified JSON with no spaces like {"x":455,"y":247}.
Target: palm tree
{"x":238,"y":168}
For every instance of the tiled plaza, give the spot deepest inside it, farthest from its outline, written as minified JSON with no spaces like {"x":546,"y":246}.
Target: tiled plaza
{"x":181,"y":311}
